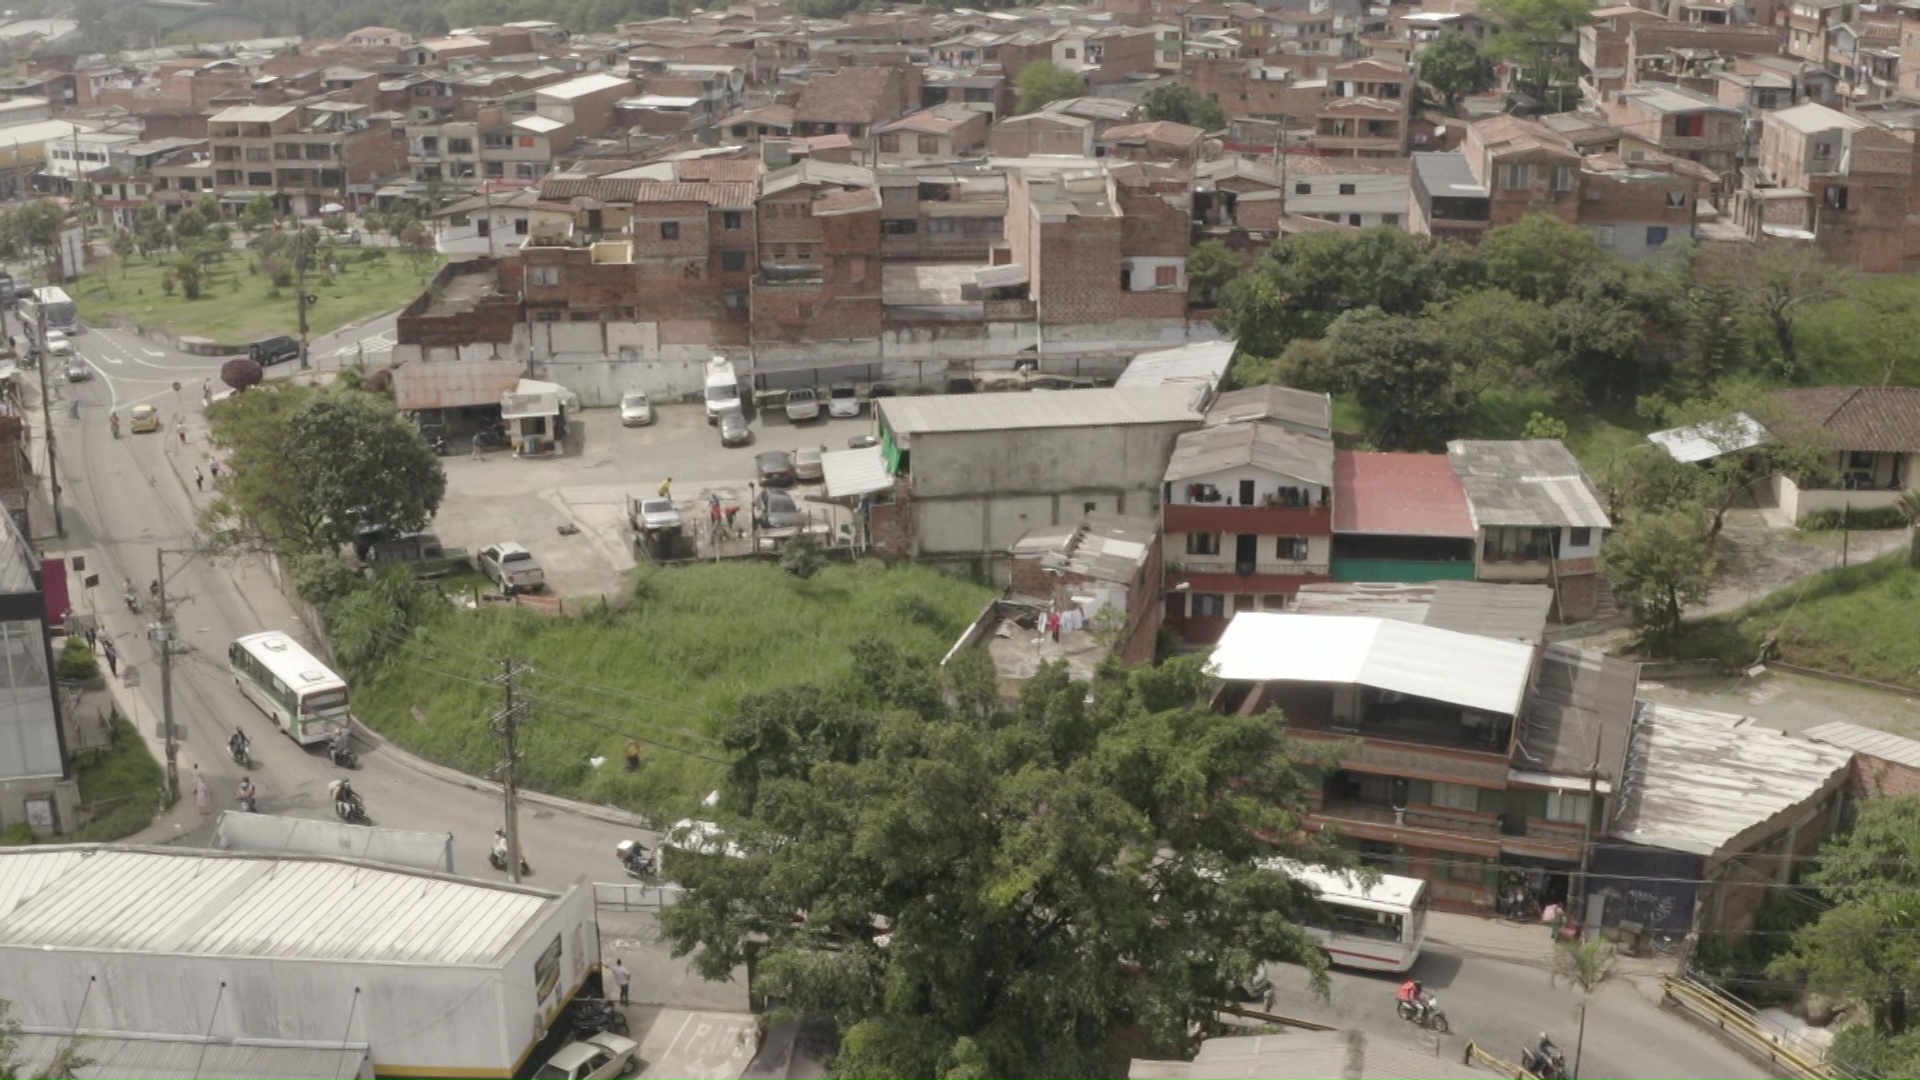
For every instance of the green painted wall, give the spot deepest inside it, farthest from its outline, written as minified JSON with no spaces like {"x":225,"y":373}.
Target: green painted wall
{"x":1408,"y":570}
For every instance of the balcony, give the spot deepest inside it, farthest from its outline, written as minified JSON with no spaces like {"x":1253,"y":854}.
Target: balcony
{"x":1404,"y":737}
{"x":1188,"y":565}
{"x":790,"y":274}
{"x":1435,"y":819}
{"x":1249,"y":520}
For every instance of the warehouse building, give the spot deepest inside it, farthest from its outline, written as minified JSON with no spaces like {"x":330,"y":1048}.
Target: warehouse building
{"x":423,"y":973}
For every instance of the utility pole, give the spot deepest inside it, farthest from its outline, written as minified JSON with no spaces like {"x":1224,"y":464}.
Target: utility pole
{"x":1577,"y":895}
{"x":506,"y":724}
{"x":300,"y":287}
{"x":46,"y":410}
{"x":162,"y":634}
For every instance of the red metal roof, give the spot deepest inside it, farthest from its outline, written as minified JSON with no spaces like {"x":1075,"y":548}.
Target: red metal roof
{"x":1398,"y":495}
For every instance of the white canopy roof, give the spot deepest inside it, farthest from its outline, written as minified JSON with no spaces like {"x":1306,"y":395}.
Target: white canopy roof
{"x":1442,"y":665}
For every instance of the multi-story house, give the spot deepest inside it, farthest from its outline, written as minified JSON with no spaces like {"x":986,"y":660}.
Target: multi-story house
{"x":1401,"y":518}
{"x":1540,"y":521}
{"x":38,"y":788}
{"x":1837,"y":179}
{"x":943,"y":213}
{"x":119,"y":195}
{"x":1365,"y":114}
{"x":1247,"y":509}
{"x":1603,"y":51}
{"x":304,"y":155}
{"x":942,"y":132}
{"x":1071,"y":226}
{"x":1683,"y":123}
{"x":852,"y":100}
{"x":1526,"y":168}
{"x":1808,"y":23}
{"x":816,"y":297}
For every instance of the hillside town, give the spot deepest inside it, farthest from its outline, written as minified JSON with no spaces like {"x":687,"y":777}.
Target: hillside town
{"x":1151,"y":538}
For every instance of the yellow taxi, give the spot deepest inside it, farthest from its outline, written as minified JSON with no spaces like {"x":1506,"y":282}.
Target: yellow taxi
{"x":145,"y":418}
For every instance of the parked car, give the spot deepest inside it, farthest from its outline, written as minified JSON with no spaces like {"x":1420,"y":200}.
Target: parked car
{"x":512,"y":567}
{"x":775,"y":468}
{"x":802,"y":404}
{"x":806,"y":465}
{"x":861,"y":442}
{"x":596,"y":1057}
{"x":776,"y":509}
{"x":658,"y":514}
{"x":274,"y":350}
{"x":144,"y":418}
{"x":733,"y":428}
{"x":635,"y":410}
{"x":421,"y":553}
{"x":58,"y":346}
{"x":843,"y":400}
{"x":78,"y":371}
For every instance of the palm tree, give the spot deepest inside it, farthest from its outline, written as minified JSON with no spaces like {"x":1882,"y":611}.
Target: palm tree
{"x":1585,"y":966}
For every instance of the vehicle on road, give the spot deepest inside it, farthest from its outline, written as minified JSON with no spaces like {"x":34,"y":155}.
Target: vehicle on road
{"x":722,"y":390}
{"x":274,"y":350}
{"x":347,"y":804}
{"x":58,"y":345}
{"x":775,"y":468}
{"x":78,"y":371}
{"x":775,"y":509}
{"x":843,"y":400}
{"x":52,"y":303}
{"x":596,"y":1057}
{"x":659,"y":514}
{"x":1378,"y":927}
{"x":733,"y":428}
{"x":635,"y":410}
{"x":1427,"y":1013}
{"x":142,"y":419}
{"x":861,"y":442}
{"x":512,"y":567}
{"x":807,"y":467}
{"x":802,"y":405}
{"x":295,"y":690}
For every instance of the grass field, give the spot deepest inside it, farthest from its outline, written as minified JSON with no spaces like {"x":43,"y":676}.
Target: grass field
{"x":667,"y":669}
{"x":122,"y":783}
{"x":1858,"y":620}
{"x":238,"y":306}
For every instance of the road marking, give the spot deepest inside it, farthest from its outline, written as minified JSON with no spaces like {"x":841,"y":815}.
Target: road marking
{"x":378,"y":343}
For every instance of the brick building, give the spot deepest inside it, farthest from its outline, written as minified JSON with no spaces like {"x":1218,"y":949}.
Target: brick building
{"x":852,"y":100}
{"x":1072,"y":228}
{"x":1836,"y":179}
{"x":1883,"y":764}
{"x":304,"y":155}
{"x":817,"y":292}
{"x":1103,"y":561}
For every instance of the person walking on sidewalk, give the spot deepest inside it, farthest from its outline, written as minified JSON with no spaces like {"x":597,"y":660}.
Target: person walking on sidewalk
{"x":199,"y":479}
{"x":113,"y":656}
{"x":201,"y":798}
{"x":622,"y":978}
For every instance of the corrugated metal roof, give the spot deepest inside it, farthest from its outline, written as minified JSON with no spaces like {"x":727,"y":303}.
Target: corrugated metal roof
{"x":1441,"y":665}
{"x":252,"y":114}
{"x":1695,"y":781}
{"x":1263,"y":446}
{"x":851,"y":473}
{"x":910,"y":416}
{"x":1525,"y":482}
{"x":1704,"y":441}
{"x":156,"y":1057}
{"x":1579,"y":712}
{"x":584,"y":85}
{"x":730,"y":194}
{"x":454,"y":384}
{"x":1514,"y":612}
{"x":1399,"y":495}
{"x":230,"y":904}
{"x":1200,"y":360}
{"x":1304,"y":410}
{"x":1869,"y":741}
{"x":1105,"y":547}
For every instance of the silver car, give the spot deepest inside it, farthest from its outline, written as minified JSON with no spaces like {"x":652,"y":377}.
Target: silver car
{"x":777,"y":510}
{"x":733,"y":428}
{"x":635,"y":410}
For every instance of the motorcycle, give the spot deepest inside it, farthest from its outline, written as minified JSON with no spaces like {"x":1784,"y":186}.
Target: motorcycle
{"x":499,"y":861}
{"x":347,"y":804}
{"x":591,"y":1016}
{"x":248,"y":803}
{"x":131,"y":596}
{"x":338,"y":753}
{"x":439,"y":445}
{"x":1546,"y":1062}
{"x":1427,"y":1013}
{"x":635,"y":858}
{"x":241,"y":753}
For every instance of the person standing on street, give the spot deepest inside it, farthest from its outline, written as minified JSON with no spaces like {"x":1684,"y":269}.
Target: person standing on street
{"x":113,"y":656}
{"x":622,"y":978}
{"x":199,"y":479}
{"x":201,"y":798}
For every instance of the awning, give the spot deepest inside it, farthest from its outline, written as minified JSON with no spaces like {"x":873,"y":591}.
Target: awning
{"x":531,"y":398}
{"x":242,"y":196}
{"x":849,"y":474}
{"x":454,"y":384}
{"x":994,"y":277}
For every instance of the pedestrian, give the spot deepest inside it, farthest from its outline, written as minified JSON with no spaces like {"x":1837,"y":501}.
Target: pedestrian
{"x":206,"y":392}
{"x":622,"y":978}
{"x":213,"y":467}
{"x":199,"y":480}
{"x":666,"y":488}
{"x":633,"y":755}
{"x":476,"y":446}
{"x":201,"y":798}
{"x":92,"y":636}
{"x":180,"y":426}
{"x":113,"y":656}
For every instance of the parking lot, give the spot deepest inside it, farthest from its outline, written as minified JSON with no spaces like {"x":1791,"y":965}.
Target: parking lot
{"x":500,"y":497}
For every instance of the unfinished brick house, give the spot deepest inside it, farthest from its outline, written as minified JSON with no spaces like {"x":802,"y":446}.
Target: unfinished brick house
{"x":1072,"y":227}
{"x":1836,"y":179}
{"x":816,"y":296}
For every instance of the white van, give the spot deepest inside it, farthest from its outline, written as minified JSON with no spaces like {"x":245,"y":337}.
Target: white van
{"x":723,"y":388}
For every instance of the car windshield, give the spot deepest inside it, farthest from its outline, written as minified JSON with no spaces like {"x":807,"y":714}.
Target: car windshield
{"x":843,"y":392}
{"x":773,"y":459}
{"x":799,"y":395}
{"x":143,"y":411}
{"x":779,"y":502}
{"x":634,"y":401}
{"x":657,"y":506}
{"x":732,"y":421}
{"x":548,"y":1072}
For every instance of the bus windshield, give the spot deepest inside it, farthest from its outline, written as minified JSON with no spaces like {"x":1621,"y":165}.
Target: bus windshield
{"x":323,"y":701}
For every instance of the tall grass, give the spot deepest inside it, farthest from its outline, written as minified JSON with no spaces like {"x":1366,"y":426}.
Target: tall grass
{"x":666,"y":669}
{"x":1857,"y":620}
{"x":124,"y":785}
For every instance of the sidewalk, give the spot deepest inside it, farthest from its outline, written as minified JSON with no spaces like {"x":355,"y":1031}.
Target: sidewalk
{"x":1530,"y":944}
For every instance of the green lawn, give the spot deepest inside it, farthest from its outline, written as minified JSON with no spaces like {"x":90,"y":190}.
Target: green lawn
{"x":1859,"y":620}
{"x":123,"y":785}
{"x":237,"y":305}
{"x":694,"y":641}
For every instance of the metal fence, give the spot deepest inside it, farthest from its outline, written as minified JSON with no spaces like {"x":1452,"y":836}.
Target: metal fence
{"x":1737,"y":1021}
{"x":618,"y":896}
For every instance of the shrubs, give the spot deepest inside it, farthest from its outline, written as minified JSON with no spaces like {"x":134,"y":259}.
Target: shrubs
{"x":1877,"y":517}
{"x":77,"y":662}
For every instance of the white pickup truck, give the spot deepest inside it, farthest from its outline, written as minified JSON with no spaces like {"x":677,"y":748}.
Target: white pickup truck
{"x":512,"y":567}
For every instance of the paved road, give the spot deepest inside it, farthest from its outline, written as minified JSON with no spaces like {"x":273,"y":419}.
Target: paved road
{"x":124,"y":498}
{"x":1502,"y":1005}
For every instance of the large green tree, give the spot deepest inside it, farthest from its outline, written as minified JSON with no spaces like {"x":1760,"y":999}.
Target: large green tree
{"x":1537,"y":34}
{"x":975,"y":889}
{"x":1454,"y":66}
{"x":1041,"y":82}
{"x":1403,"y":374}
{"x":1659,"y":563}
{"x":1182,"y":104}
{"x":308,"y":467}
{"x":1302,"y":284}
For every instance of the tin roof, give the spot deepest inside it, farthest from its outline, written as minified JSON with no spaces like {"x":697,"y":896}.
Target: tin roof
{"x":1399,"y":495}
{"x":1868,"y":741}
{"x":454,"y":384}
{"x":1263,"y":446}
{"x":1707,"y":440}
{"x":1578,"y":715}
{"x":1525,"y":482}
{"x":1012,"y":411}
{"x":204,"y":903}
{"x":851,"y":473}
{"x":1205,"y":361}
{"x":1104,"y":547}
{"x":1303,"y":410}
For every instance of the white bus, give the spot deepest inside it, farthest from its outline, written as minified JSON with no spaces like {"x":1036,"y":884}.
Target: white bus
{"x":57,"y":305}
{"x":292,"y":688}
{"x":1378,"y":927}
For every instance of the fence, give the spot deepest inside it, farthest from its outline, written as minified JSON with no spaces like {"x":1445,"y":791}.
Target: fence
{"x":1736,"y":1020}
{"x":1476,"y":1056}
{"x":616,"y":896}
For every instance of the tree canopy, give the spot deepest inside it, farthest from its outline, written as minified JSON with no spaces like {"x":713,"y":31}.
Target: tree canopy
{"x":309,"y":466}
{"x":1454,"y":66}
{"x":1183,"y":105}
{"x":994,"y":889}
{"x":1041,"y":82}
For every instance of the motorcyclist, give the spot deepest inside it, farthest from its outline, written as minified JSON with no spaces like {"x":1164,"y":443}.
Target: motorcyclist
{"x":343,"y":794}
{"x":246,"y":796}
{"x":337,"y":748}
{"x":237,"y":745}
{"x":500,"y":846}
{"x":113,"y":421}
{"x":1412,"y":993}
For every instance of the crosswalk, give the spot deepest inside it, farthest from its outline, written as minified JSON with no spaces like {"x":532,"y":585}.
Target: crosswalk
{"x":379,"y":343}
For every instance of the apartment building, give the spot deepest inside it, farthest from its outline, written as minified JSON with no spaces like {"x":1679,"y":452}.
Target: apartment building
{"x":304,"y":155}
{"x":1070,"y":226}
{"x":852,"y":100}
{"x":940,"y":213}
{"x":942,"y":132}
{"x":1365,"y":112}
{"x":816,"y":299}
{"x":1603,"y":51}
{"x":1683,"y":123}
{"x":1836,"y":179}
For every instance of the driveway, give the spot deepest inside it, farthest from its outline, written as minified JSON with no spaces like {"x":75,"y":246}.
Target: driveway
{"x":499,"y":497}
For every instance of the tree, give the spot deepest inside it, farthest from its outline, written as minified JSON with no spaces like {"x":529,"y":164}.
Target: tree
{"x":1041,"y":82}
{"x":124,"y":246}
{"x":259,"y":213}
{"x":1183,"y":105}
{"x":1539,"y":257}
{"x":1403,"y":375}
{"x":1757,"y":438}
{"x":1051,"y":874}
{"x":1718,"y":336}
{"x":310,"y":467}
{"x":1210,"y":266}
{"x":1302,"y":284}
{"x":1536,"y":33}
{"x":1454,"y":66}
{"x":186,"y":270}
{"x":1781,"y":281}
{"x":1585,"y":966}
{"x":189,"y":223}
{"x":67,"y":1062}
{"x":1658,"y":563}
{"x":1865,"y":947}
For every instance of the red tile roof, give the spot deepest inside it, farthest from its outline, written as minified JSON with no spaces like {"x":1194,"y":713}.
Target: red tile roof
{"x":1882,"y":419}
{"x":1398,"y":495}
